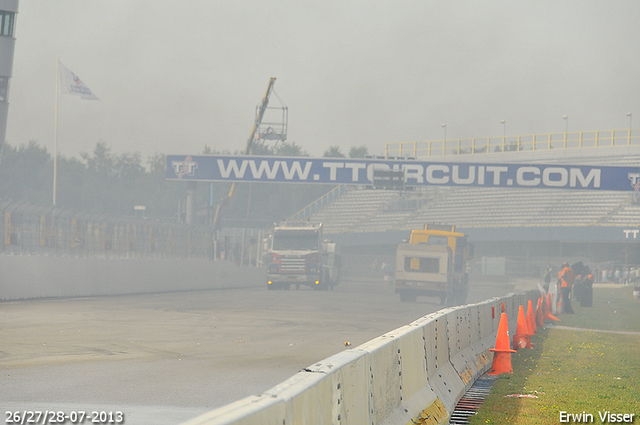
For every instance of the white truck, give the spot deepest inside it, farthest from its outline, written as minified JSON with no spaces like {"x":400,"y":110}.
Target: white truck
{"x":434,"y":264}
{"x":298,"y":255}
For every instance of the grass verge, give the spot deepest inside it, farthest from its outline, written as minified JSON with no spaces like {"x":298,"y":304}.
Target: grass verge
{"x":614,"y":308}
{"x":574,"y":371}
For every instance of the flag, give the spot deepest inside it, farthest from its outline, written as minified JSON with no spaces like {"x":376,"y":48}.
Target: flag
{"x":71,"y":84}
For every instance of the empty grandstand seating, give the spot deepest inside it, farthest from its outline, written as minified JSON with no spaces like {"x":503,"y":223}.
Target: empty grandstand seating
{"x":366,"y":210}
{"x":355,"y":206}
{"x":472,"y":207}
{"x":624,"y":216}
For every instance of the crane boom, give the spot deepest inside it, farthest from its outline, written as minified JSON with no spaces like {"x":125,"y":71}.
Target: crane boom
{"x":248,"y":150}
{"x":256,"y":125}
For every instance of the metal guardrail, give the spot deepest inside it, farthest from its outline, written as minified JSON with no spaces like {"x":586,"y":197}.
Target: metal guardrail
{"x":47,"y":230}
{"x":534,"y":142}
{"x":319,"y":204}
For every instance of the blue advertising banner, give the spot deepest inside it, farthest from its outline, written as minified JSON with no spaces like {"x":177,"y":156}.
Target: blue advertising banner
{"x":220,"y":168}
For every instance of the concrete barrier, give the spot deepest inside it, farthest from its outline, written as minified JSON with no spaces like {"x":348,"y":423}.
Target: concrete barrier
{"x":33,"y":276}
{"x":414,"y":374}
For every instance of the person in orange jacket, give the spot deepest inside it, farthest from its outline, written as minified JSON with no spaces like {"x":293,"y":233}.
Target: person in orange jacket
{"x":566,"y":277}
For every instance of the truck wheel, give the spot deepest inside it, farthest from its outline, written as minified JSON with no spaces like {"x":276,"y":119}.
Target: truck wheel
{"x":321,"y":287}
{"x":463,"y":297}
{"x":459,"y":297}
{"x":407,"y":298}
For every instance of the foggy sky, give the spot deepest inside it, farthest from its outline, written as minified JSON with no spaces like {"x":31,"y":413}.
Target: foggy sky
{"x":176,"y":76}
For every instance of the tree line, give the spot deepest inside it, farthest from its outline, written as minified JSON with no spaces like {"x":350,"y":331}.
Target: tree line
{"x":108,"y":183}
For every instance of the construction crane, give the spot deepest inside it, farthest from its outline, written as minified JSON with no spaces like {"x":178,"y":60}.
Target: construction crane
{"x":254,"y":137}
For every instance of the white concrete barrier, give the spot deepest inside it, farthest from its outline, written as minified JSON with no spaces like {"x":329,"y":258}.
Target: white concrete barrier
{"x":34,"y":276}
{"x":483,"y":333}
{"x":350,"y":386}
{"x":461,"y":353}
{"x":414,"y":374}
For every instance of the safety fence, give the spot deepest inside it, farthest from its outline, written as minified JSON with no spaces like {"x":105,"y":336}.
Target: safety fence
{"x":47,"y":230}
{"x":533,"y":142}
{"x":414,"y":374}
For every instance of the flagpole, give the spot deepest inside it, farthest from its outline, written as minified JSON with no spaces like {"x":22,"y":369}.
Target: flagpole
{"x":72,"y":85}
{"x":55,"y":135}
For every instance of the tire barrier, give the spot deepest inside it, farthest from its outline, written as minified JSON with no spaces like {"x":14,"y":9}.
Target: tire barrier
{"x":414,"y":374}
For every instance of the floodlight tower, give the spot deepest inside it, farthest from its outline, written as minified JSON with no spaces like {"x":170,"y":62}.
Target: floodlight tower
{"x":8,"y":11}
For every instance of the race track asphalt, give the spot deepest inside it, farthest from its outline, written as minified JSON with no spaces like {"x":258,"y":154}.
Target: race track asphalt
{"x":167,"y":357}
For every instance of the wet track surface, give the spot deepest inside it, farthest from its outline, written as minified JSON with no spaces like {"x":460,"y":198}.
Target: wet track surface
{"x":165,"y":358}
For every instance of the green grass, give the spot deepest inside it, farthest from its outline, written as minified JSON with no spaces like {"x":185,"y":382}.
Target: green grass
{"x":613,"y":309}
{"x":574,"y":371}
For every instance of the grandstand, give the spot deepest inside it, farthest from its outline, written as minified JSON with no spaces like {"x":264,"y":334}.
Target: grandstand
{"x":378,"y":211}
{"x":493,"y":214}
{"x":366,"y":210}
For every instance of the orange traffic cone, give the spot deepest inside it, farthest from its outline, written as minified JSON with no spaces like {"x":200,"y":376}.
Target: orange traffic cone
{"x":522,"y":338}
{"x":547,"y":313}
{"x":540,"y":313}
{"x":503,"y":309}
{"x":502,"y":352}
{"x":530,"y":330}
{"x":531,"y":319}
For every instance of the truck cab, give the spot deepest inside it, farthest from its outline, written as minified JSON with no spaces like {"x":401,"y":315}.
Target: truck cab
{"x":298,"y":255}
{"x":433,"y":264}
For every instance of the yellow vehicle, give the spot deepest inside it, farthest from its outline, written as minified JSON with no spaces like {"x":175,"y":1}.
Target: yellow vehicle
{"x":434,"y":264}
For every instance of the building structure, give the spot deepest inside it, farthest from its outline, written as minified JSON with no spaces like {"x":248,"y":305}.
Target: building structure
{"x":8,"y":12}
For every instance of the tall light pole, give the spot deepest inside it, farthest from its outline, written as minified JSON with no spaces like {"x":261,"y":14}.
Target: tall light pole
{"x":566,"y":123}
{"x":445,"y":131}
{"x":630,"y":116}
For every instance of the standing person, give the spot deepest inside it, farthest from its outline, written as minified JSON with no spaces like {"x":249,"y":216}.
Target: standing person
{"x":547,"y":278}
{"x":578,"y":286}
{"x":566,"y":276}
{"x":587,"y":291}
